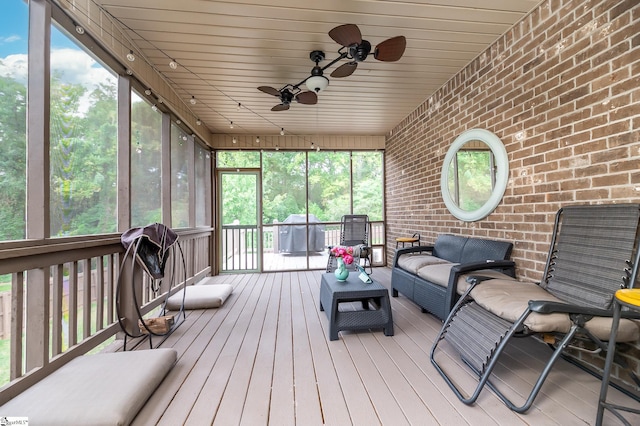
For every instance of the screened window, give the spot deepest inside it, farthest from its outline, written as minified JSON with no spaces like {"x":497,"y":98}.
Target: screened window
{"x":13,"y":114}
{"x":238,"y":159}
{"x":202,"y":176}
{"x":284,"y":185}
{"x":329,"y":185}
{"x":146,"y":126}
{"x":368,"y":191}
{"x":179,"y":178}
{"x":83,"y":126}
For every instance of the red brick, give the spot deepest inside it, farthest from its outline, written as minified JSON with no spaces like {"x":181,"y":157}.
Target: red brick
{"x":579,"y":111}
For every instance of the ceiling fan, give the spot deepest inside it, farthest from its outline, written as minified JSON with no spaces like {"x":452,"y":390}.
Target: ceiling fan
{"x":355,"y":48}
{"x":288,"y":94}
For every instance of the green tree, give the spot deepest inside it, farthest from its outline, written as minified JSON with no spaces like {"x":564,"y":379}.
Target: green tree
{"x":329,"y":185}
{"x":83,"y":160}
{"x":239,"y":198}
{"x":13,"y":129}
{"x":145,"y":164}
{"x":283,"y":183}
{"x":368,"y":193}
{"x":473,"y":176}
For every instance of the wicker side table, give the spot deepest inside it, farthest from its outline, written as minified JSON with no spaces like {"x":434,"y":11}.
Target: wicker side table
{"x":373,"y":295}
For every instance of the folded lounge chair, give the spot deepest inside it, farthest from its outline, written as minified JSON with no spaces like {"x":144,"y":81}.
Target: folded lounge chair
{"x":354,"y":232}
{"x":593,"y":253}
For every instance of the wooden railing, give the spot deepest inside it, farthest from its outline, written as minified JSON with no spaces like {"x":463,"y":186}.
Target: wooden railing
{"x":59,"y":311}
{"x":239,"y":249}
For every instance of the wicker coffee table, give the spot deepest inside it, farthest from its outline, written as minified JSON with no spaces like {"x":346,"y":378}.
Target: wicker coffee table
{"x":375,"y":312}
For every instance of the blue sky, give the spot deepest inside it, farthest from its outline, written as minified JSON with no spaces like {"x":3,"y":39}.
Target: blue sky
{"x":68,"y":61}
{"x":13,"y":30}
{"x":13,"y":27}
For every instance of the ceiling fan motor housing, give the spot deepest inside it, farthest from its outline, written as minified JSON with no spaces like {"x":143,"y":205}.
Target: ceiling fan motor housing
{"x":359,"y":52}
{"x":286,"y":96}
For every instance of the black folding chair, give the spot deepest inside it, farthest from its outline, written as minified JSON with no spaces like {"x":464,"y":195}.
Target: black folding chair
{"x":593,"y":253}
{"x":354,"y":232}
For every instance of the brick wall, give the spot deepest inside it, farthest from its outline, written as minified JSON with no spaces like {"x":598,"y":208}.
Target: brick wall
{"x":561,"y":89}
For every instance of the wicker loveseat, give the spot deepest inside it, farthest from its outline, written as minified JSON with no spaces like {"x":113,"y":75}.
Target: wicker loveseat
{"x":434,"y":276}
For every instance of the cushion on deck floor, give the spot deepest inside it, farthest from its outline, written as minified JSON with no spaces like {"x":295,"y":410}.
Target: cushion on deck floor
{"x":200,"y":296}
{"x":100,"y":389}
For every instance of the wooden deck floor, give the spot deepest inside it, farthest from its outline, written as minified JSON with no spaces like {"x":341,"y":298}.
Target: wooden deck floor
{"x":265,"y":358}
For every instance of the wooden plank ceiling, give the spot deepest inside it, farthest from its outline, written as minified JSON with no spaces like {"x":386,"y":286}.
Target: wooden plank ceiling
{"x":226,"y":49}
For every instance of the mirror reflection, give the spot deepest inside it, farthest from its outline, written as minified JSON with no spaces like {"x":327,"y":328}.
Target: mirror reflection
{"x":472,"y":176}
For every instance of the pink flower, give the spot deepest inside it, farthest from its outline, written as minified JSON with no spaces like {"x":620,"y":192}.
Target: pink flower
{"x":346,"y":253}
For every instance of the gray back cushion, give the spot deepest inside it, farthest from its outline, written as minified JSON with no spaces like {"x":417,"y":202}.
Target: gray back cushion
{"x":478,"y":250}
{"x":449,"y":247}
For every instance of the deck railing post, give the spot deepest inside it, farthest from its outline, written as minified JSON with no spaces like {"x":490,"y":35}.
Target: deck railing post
{"x":37,"y":318}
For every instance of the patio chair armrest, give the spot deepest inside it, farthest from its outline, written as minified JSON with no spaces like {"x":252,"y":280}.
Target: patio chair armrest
{"x":415,"y":249}
{"x":549,"y":307}
{"x":509,"y":265}
{"x":477,"y":279}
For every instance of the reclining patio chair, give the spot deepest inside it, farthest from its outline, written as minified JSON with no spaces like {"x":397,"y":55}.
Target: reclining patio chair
{"x":354,"y":232}
{"x":593,"y":253}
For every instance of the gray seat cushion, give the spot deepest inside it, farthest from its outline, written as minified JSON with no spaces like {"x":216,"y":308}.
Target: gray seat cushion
{"x":200,"y":296}
{"x":100,"y":389}
{"x":413,"y":262}
{"x":437,"y":273}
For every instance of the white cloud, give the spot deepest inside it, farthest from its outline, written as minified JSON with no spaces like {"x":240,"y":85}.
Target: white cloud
{"x":72,"y":66}
{"x":77,"y":67}
{"x":14,"y":66}
{"x":10,"y":39}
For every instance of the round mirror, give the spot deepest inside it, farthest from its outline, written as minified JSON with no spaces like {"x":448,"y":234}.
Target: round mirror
{"x":474,"y":175}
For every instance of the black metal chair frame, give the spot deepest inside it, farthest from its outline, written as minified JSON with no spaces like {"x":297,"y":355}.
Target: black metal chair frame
{"x":579,"y":311}
{"x":354,"y":231}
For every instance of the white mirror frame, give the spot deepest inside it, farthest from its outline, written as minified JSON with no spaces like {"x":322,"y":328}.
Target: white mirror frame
{"x":502,"y":174}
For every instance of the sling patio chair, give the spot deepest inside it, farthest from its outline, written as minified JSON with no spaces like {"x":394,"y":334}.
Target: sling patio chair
{"x":354,"y":232}
{"x":593,"y":253}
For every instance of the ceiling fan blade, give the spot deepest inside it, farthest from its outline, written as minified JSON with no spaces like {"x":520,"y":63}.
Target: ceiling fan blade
{"x":280,"y":107}
{"x":344,"y":70}
{"x":390,"y":50}
{"x":307,"y":98}
{"x":269,"y":90}
{"x":346,"y":35}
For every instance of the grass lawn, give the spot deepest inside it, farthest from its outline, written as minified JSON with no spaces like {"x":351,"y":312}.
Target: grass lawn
{"x":4,"y":361}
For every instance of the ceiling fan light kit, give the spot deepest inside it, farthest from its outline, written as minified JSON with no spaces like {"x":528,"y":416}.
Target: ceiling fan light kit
{"x":317,"y":83}
{"x":354,"y":49}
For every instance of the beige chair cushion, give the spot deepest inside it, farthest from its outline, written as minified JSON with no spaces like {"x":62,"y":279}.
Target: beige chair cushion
{"x":509,"y":299}
{"x":200,"y":297}
{"x":463,"y":285}
{"x":437,"y":273}
{"x":101,"y":389}
{"x":413,"y":262}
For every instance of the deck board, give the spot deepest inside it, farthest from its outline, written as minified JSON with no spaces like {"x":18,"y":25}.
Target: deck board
{"x":282,"y":410}
{"x":264,"y":357}
{"x":259,"y":389}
